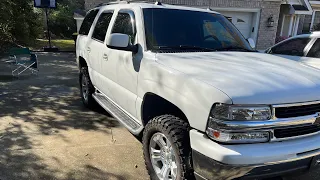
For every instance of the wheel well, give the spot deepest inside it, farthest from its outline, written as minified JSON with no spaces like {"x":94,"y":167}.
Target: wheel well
{"x":154,"y":105}
{"x":82,"y":62}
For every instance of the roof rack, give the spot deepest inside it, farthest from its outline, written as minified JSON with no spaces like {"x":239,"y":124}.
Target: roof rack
{"x":126,"y":2}
{"x":112,"y":2}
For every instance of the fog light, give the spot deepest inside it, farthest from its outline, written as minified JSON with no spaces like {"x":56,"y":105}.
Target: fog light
{"x":238,"y":137}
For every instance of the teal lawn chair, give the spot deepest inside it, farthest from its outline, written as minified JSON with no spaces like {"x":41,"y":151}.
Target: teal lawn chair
{"x":21,"y":60}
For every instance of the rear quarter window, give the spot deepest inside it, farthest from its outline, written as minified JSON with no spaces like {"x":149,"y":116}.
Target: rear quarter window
{"x":87,"y":22}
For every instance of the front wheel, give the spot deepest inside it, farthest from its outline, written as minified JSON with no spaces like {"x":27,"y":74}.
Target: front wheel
{"x":166,"y":148}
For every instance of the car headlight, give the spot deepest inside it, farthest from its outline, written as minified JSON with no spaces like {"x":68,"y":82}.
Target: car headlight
{"x":241,"y":113}
{"x":224,"y":112}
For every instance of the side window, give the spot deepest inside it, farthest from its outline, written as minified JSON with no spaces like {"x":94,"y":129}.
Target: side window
{"x":292,"y":47}
{"x":87,"y":22}
{"x":102,"y":25}
{"x":124,"y":25}
{"x":315,"y":50}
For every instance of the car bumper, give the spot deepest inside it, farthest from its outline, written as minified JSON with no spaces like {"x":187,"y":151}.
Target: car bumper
{"x":209,"y":169}
{"x":215,"y":161}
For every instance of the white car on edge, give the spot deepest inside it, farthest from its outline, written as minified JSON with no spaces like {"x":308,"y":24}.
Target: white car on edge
{"x":303,"y":48}
{"x":206,"y":105}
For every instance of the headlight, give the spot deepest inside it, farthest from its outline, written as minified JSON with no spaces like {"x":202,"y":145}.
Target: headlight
{"x":241,"y":113}
{"x":224,"y":112}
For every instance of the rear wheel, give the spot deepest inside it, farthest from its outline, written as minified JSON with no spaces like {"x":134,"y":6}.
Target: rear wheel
{"x":166,"y":148}
{"x":86,"y":88}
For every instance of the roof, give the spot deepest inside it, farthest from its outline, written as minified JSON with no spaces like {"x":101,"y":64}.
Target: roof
{"x":80,"y":12}
{"x":144,"y":5}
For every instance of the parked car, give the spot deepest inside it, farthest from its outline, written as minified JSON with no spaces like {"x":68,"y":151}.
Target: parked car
{"x":205,"y":104}
{"x":304,"y":48}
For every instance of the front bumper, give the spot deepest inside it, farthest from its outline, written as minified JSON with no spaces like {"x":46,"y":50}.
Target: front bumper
{"x":216,"y":161}
{"x":209,"y":169}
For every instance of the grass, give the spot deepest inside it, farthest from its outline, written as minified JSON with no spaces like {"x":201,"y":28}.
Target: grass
{"x":62,"y":44}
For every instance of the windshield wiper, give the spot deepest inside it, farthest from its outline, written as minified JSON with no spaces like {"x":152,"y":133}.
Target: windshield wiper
{"x":235,"y":48}
{"x":183,"y":47}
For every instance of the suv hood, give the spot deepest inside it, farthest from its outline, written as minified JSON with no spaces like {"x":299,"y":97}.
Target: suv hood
{"x":249,"y":78}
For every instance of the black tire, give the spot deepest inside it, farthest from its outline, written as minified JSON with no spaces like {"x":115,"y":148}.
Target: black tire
{"x":177,"y":132}
{"x":86,"y":97}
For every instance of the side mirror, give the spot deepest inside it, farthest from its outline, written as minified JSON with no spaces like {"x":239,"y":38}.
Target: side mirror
{"x":121,"y":42}
{"x":252,"y":43}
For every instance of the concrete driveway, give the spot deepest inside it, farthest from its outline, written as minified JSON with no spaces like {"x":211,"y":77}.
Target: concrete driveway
{"x":46,"y":133}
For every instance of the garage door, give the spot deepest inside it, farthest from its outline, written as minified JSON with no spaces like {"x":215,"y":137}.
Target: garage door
{"x":242,"y":20}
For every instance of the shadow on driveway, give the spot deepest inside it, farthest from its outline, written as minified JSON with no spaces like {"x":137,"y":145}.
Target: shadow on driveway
{"x":37,"y":110}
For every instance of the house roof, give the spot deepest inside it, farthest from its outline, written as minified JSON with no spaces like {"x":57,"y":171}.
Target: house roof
{"x":79,"y":13}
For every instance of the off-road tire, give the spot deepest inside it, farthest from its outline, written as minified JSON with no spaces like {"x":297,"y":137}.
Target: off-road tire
{"x":88,"y":102}
{"x":177,"y":132}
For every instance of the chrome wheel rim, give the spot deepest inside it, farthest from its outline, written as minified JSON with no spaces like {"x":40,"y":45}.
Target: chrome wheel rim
{"x":84,"y":87}
{"x":163,"y":157}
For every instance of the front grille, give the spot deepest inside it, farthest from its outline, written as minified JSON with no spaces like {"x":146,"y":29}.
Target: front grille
{"x":296,"y":111}
{"x":295,"y":131}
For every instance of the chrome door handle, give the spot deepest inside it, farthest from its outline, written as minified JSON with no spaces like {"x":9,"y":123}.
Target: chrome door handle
{"x":105,"y":56}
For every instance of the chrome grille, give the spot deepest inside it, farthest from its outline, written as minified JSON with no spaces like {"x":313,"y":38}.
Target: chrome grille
{"x":296,"y":111}
{"x":296,"y":131}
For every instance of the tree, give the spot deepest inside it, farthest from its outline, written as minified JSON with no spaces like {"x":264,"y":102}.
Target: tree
{"x":61,"y":19}
{"x":19,"y":22}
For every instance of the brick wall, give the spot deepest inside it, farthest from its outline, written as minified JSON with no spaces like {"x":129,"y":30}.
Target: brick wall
{"x":266,"y":35}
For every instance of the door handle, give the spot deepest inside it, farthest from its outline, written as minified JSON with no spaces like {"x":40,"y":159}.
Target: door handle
{"x":89,"y":50}
{"x":105,"y":56}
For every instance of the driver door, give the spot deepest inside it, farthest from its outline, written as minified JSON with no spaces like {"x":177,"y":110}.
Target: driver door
{"x":122,"y":71}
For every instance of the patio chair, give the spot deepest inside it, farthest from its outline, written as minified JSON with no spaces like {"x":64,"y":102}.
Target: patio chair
{"x":21,"y":60}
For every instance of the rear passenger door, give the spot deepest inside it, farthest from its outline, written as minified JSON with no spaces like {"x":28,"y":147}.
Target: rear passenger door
{"x":83,"y":37}
{"x":96,"y":46}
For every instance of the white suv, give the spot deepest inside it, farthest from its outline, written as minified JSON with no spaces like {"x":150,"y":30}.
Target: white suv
{"x":205,"y":104}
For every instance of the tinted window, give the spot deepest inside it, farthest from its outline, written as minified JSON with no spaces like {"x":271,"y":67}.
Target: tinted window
{"x":87,"y":22}
{"x":102,"y":25}
{"x":124,"y":25}
{"x":169,"y":28}
{"x":292,"y":47}
{"x":315,"y":50}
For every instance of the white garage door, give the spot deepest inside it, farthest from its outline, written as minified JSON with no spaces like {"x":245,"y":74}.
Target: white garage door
{"x":242,"y":20}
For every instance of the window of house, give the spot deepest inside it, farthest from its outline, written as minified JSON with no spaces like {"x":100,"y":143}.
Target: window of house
{"x":124,"y":25}
{"x":102,"y":25}
{"x":293,"y":47}
{"x":315,"y":50}
{"x":87,"y":22}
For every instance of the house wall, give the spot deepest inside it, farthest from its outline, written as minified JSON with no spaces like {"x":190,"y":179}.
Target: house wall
{"x":266,"y":35}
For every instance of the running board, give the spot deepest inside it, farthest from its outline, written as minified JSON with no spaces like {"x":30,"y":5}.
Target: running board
{"x":117,"y":113}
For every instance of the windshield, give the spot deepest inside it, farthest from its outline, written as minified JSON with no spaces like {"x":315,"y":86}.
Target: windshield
{"x":191,"y":30}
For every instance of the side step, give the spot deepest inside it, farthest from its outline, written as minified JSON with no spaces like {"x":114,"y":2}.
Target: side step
{"x":117,"y":113}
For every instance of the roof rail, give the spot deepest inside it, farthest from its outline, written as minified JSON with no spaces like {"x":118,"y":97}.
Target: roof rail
{"x":113,"y":2}
{"x":126,"y":2}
